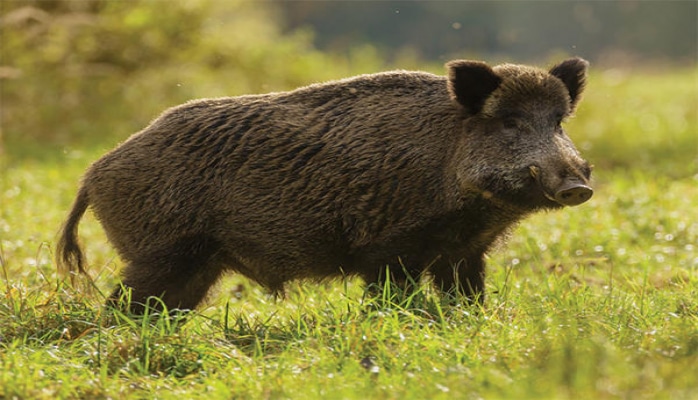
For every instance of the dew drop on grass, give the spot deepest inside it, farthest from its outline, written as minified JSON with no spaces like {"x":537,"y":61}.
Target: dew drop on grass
{"x":669,"y":250}
{"x":442,"y":388}
{"x":13,"y":192}
{"x":370,"y":365}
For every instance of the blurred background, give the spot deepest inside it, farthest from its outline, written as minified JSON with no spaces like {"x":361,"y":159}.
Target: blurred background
{"x":86,"y":74}
{"x":609,"y":31}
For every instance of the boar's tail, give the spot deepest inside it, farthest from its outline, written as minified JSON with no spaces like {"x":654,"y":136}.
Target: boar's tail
{"x":69,"y":255}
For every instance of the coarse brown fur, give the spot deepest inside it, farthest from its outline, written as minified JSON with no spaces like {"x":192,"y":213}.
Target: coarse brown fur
{"x":409,"y":171}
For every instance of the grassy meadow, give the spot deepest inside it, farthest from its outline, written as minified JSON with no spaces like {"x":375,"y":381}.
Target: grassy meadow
{"x":597,"y":301}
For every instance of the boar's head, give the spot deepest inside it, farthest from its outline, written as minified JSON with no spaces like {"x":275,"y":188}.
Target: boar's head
{"x":513,"y":147}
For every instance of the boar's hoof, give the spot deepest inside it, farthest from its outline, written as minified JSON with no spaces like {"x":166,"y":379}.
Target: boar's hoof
{"x":573,"y":193}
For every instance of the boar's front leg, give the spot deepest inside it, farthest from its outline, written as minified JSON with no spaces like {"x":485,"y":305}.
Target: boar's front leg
{"x":465,"y":277}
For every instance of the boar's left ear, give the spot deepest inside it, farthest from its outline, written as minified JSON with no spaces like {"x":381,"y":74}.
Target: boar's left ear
{"x":572,"y":73}
{"x":471,"y":82}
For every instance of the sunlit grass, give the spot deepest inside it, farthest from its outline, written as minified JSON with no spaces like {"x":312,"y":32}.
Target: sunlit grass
{"x":640,"y":121}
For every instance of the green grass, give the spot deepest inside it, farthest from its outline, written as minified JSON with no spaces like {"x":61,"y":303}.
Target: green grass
{"x":597,"y":301}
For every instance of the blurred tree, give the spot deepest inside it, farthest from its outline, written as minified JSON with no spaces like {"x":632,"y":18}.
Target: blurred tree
{"x":521,"y":30}
{"x":83,"y":69}
{"x":60,"y":55}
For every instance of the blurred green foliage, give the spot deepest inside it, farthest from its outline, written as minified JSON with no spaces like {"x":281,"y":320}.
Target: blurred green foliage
{"x":85,"y":71}
{"x":640,"y":120}
{"x":631,"y":32}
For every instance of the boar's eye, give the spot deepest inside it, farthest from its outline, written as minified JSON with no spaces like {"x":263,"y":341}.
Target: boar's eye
{"x":510,"y":120}
{"x":509,"y":123}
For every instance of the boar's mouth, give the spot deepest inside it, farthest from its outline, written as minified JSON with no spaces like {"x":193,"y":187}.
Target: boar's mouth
{"x":567,"y":191}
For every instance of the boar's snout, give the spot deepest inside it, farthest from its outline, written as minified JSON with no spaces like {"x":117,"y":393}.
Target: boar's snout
{"x":571,"y":190}
{"x":573,"y":193}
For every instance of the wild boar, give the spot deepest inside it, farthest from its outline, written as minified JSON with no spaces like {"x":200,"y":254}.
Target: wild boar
{"x":397,"y":174}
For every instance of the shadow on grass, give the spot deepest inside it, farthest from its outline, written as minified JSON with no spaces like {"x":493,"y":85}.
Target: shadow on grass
{"x":333,"y":321}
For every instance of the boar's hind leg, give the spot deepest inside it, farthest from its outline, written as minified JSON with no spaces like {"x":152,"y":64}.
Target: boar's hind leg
{"x":180,"y":276}
{"x":466,"y":278}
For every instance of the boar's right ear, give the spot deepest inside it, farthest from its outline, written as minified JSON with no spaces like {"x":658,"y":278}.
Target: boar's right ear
{"x":471,"y":82}
{"x":572,"y":73}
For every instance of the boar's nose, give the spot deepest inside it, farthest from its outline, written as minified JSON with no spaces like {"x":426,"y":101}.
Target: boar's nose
{"x":573,"y":193}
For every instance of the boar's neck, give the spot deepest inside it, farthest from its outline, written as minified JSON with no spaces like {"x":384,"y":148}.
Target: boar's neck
{"x":476,"y":222}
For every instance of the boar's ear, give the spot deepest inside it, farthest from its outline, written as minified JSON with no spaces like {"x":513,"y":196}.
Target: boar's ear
{"x":470,"y":83}
{"x":572,"y":73}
